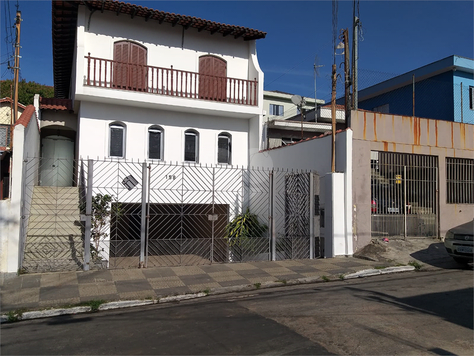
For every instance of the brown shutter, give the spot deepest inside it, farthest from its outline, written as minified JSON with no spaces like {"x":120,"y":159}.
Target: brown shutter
{"x":220,"y":71}
{"x":212,"y":78}
{"x":204,"y":79}
{"x":138,"y":67}
{"x":129,"y":66}
{"x":121,"y":59}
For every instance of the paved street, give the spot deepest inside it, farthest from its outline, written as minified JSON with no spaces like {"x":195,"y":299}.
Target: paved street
{"x":413,"y":313}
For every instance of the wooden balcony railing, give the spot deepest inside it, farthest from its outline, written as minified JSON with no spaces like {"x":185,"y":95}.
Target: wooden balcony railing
{"x":106,"y":73}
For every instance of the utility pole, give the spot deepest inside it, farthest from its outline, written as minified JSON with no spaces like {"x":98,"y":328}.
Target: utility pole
{"x":333,"y":119}
{"x":347,"y":79}
{"x":355,"y":58}
{"x":16,"y":68}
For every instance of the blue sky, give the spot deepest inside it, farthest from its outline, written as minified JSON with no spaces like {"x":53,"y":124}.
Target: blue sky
{"x":397,"y":36}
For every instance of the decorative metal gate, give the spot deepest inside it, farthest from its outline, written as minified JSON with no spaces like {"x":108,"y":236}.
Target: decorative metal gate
{"x":139,"y":214}
{"x":404,"y":195}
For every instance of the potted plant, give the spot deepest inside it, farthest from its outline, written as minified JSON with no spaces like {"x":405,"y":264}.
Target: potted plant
{"x":243,"y":235}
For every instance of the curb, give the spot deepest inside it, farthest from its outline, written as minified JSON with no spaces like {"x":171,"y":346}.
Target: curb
{"x":30,"y":315}
{"x":375,"y":272}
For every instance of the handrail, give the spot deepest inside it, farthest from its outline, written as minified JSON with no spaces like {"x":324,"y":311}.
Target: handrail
{"x":107,"y":73}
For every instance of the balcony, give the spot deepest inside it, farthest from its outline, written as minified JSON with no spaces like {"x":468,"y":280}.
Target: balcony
{"x":106,"y":73}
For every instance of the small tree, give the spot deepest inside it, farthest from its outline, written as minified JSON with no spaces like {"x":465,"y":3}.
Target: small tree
{"x":103,"y":207}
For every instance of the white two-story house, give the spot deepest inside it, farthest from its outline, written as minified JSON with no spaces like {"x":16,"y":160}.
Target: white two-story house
{"x":151,"y":85}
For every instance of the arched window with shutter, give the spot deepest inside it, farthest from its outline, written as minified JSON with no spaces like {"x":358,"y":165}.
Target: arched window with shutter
{"x":212,"y":78}
{"x":130,"y":70}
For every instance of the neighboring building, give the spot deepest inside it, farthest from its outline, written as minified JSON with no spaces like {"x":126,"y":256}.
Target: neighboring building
{"x":283,"y":119}
{"x":443,"y":90}
{"x":6,"y":113}
{"x":297,"y":128}
{"x":277,"y":105}
{"x":6,"y":124}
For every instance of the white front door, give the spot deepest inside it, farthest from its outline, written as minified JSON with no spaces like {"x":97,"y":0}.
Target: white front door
{"x":57,"y":162}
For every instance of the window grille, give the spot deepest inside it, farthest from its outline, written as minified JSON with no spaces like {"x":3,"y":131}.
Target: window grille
{"x":459,"y":180}
{"x":191,"y":146}
{"x":224,"y":148}
{"x":155,"y":143}
{"x":117,"y":140}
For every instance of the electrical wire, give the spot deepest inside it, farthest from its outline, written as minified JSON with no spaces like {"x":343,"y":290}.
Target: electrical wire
{"x":274,"y":80}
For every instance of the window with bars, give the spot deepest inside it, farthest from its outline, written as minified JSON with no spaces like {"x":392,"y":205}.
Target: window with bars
{"x":276,"y":110}
{"x":224,"y":152}
{"x":191,"y":146}
{"x":117,"y":140}
{"x":155,"y":142}
{"x":459,"y":180}
{"x":4,"y":135}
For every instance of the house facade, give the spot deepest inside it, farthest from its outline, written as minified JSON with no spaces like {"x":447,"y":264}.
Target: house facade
{"x":150,"y":85}
{"x":442,"y":90}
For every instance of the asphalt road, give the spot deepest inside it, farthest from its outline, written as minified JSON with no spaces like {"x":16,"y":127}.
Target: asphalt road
{"x":404,"y":314}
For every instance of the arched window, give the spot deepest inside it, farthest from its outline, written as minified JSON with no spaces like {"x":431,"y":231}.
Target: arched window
{"x":117,"y":134}
{"x":155,"y":142}
{"x":191,"y":146}
{"x":130,"y":71}
{"x":212,"y":78}
{"x":224,"y":148}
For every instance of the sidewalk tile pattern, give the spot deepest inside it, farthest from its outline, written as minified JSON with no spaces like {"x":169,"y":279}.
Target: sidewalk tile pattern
{"x":44,"y":290}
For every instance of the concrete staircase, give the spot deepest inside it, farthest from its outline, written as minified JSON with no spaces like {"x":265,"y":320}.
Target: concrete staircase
{"x":54,"y":237}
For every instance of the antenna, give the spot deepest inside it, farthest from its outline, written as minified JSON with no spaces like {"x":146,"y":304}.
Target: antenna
{"x":297,"y":100}
{"x":316,"y":67}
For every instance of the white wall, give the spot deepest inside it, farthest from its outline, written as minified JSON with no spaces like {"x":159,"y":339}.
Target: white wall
{"x":26,"y":143}
{"x":315,"y":154}
{"x":94,"y":133}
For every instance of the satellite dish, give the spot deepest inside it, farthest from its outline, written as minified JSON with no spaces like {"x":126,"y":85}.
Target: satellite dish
{"x":296,"y":99}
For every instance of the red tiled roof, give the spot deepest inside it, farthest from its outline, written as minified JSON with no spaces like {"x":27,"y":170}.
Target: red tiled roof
{"x":64,"y":15}
{"x":55,"y":104}
{"x":26,"y":116}
{"x":10,"y":100}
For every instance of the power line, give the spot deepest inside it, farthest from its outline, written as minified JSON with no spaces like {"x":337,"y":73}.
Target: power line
{"x":274,"y":80}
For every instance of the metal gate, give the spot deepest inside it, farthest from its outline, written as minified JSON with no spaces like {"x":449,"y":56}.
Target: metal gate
{"x":404,"y":195}
{"x":122,"y":214}
{"x":170,"y":215}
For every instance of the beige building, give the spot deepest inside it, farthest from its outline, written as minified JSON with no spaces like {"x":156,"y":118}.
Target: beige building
{"x":6,"y":112}
{"x":411,"y":176}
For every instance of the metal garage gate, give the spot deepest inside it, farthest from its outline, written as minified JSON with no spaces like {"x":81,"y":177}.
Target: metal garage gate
{"x":404,"y":195}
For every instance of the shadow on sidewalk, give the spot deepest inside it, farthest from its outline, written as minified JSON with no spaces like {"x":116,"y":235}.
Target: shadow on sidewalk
{"x":435,"y":255}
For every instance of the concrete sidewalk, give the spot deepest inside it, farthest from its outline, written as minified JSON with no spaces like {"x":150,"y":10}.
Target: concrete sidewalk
{"x":46,"y":290}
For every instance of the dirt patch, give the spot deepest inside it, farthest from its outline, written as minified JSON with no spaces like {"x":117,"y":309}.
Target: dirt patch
{"x":372,"y":252}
